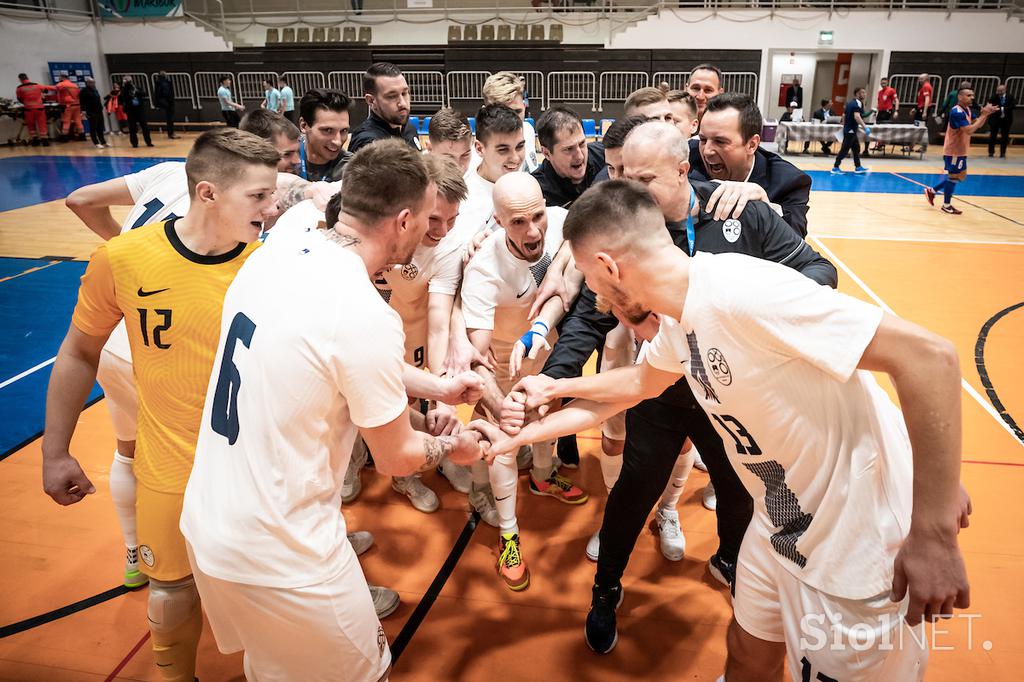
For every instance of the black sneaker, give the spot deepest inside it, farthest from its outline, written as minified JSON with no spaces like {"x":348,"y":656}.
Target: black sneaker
{"x":600,"y":631}
{"x":722,"y":570}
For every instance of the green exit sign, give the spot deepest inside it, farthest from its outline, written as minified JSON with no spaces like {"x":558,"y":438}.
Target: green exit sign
{"x":825,"y":37}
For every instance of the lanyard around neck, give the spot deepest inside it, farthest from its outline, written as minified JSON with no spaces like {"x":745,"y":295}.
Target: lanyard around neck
{"x":691,"y":237}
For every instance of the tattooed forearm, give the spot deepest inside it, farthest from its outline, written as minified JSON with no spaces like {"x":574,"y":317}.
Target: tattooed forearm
{"x":344,"y":240}
{"x":436,"y":449}
{"x":292,"y":194}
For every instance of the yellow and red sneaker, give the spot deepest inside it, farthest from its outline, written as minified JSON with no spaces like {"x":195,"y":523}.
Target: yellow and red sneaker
{"x":560,"y":488}
{"x":511,"y":566}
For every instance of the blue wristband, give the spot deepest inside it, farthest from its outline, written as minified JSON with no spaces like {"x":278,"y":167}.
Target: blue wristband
{"x":527,"y":338}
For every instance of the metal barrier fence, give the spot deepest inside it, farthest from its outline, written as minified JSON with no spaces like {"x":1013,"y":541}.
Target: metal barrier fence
{"x":426,"y":87}
{"x":572,"y":86}
{"x":534,"y":86}
{"x":1015,"y":88}
{"x":249,"y":85}
{"x":349,"y":82}
{"x":207,"y":83}
{"x":465,"y":84}
{"x":740,"y":81}
{"x":906,"y":87}
{"x":182,"y":84}
{"x":983,"y":86}
{"x":615,"y":86}
{"x":301,"y":81}
{"x":676,"y":79}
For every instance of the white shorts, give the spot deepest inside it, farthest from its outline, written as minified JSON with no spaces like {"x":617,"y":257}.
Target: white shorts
{"x":327,"y":631}
{"x":826,"y":637}
{"x":619,"y":351}
{"x":118,"y":383}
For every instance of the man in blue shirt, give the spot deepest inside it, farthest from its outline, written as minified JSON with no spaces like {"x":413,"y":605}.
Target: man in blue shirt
{"x":852,"y":121}
{"x":229,"y":108}
{"x":271,"y":96}
{"x":286,"y":104}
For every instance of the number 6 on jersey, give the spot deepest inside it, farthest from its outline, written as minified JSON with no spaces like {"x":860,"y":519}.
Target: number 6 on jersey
{"x":224,"y":417}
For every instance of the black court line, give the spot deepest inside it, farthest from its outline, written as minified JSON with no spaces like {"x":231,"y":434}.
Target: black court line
{"x":420,"y":613}
{"x":33,"y":437}
{"x":978,"y":206}
{"x":36,"y":621}
{"x":979,"y":361}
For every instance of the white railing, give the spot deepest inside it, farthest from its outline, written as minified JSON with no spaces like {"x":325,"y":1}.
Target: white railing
{"x":740,"y":81}
{"x":349,"y":82}
{"x":906,"y":87}
{"x":249,"y":85}
{"x":983,"y":86}
{"x":1015,"y":87}
{"x":302,"y":81}
{"x":572,"y":86}
{"x":426,"y":88}
{"x":183,"y":88}
{"x":676,"y":79}
{"x":208,"y":82}
{"x":534,"y":87}
{"x":616,"y":86}
{"x":462,"y":85}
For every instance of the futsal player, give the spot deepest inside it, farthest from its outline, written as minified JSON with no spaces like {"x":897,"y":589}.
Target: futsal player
{"x":166,"y":280}
{"x":856,"y":505}
{"x":954,"y":150}
{"x":449,"y":135}
{"x":302,"y":366}
{"x":498,"y":288}
{"x":507,"y":88}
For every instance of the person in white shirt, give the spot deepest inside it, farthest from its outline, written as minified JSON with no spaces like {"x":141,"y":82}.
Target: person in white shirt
{"x":449,"y":135}
{"x":506,"y":88}
{"x":856,"y":505}
{"x":303,"y":365}
{"x":498,"y":290}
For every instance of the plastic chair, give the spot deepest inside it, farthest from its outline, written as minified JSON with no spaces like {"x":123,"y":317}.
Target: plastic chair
{"x":590,"y":128}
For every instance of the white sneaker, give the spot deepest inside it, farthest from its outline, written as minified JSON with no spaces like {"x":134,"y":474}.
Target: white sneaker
{"x":385,"y":601}
{"x":482,"y":500}
{"x":423,"y":498}
{"x":709,"y":498}
{"x":673,"y":542}
{"x":361,"y":540}
{"x":352,"y":485}
{"x":698,"y":462}
{"x":459,"y":476}
{"x":524,"y":458}
{"x":99,"y":146}
{"x":594,"y":545}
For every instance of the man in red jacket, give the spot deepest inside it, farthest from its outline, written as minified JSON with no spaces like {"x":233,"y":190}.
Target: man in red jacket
{"x":31,"y":97}
{"x":71,"y":117}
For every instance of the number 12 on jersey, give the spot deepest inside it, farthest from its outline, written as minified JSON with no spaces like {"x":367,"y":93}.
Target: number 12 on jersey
{"x":224,"y":412}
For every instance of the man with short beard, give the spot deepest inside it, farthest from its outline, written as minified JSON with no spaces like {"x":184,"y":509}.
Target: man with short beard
{"x":324,"y":122}
{"x":570,"y":165}
{"x":387,"y":97}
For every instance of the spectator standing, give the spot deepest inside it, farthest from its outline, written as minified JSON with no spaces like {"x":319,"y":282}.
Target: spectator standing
{"x":271,"y":96}
{"x":1001,"y":121}
{"x":31,"y":95}
{"x":526,"y":96}
{"x":286,"y":103}
{"x":704,"y":83}
{"x":888,"y":102}
{"x":163,"y":98}
{"x":71,"y":114}
{"x":92,"y":107}
{"x":952,"y":100}
{"x":925,"y":97}
{"x":133,"y":101}
{"x":388,"y":100}
{"x":822,"y":114}
{"x":795,"y":93}
{"x":112,"y":103}
{"x":229,"y":108}
{"x":852,"y":121}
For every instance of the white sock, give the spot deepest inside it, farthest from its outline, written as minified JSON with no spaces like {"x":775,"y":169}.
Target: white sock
{"x":680,"y":472}
{"x":122,"y":491}
{"x":611,"y":467}
{"x":543,"y":461}
{"x":481,"y":475}
{"x":504,"y":476}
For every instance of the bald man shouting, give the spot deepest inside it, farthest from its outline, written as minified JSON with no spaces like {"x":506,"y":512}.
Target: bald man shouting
{"x":498,"y":288}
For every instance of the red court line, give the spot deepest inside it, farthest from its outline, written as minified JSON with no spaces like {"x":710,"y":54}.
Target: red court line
{"x":998,"y":464}
{"x":131,"y":654}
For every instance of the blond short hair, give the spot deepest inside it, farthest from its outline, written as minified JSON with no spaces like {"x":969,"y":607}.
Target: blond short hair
{"x":502,"y":88}
{"x":448,"y":177}
{"x":643,"y":97}
{"x":448,"y":125}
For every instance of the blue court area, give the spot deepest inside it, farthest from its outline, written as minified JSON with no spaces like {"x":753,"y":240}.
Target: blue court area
{"x":35,"y":310}
{"x":885,"y":182}
{"x":28,"y":180}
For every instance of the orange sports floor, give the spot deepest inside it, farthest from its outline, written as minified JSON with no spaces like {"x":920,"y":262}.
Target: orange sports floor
{"x":892,"y":249}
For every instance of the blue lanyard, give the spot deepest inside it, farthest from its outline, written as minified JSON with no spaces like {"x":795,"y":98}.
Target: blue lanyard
{"x":691,"y":237}
{"x":302,"y":159}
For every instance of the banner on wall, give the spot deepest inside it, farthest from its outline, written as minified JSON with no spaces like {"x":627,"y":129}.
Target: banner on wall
{"x":123,"y":9}
{"x":75,"y":71}
{"x":841,"y":82}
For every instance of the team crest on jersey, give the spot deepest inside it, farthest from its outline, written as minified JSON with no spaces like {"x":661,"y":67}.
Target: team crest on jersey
{"x":719,"y":367}
{"x":731,"y":228}
{"x":382,"y":640}
{"x":146,"y":554}
{"x":410,"y":271}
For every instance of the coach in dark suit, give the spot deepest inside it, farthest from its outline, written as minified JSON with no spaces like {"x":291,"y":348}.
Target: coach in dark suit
{"x":729,"y":149}
{"x":1000,"y":122}
{"x":795,"y":93}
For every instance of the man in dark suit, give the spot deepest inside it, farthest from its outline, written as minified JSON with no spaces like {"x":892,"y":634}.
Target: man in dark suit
{"x":1000,"y":122}
{"x":795,"y":93}
{"x":570,"y":164}
{"x":821,"y":114}
{"x":729,"y":149}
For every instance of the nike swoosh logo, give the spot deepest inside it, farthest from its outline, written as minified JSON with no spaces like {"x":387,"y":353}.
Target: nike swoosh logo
{"x":499,"y":499}
{"x":151,"y":293}
{"x":524,"y":292}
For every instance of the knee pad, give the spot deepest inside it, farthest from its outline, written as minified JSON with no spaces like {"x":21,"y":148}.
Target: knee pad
{"x":171,"y":604}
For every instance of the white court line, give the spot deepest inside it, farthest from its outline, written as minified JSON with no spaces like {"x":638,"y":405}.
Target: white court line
{"x":986,"y":405}
{"x":27,"y":372}
{"x":914,"y":239}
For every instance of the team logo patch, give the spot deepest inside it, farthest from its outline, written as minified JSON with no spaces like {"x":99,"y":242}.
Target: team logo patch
{"x":146,"y":554}
{"x":410,"y":271}
{"x":719,"y":367}
{"x":382,"y":640}
{"x":731,"y":228}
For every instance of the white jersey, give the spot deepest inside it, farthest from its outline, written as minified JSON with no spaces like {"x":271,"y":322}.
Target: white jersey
{"x":477,"y":211}
{"x":498,"y":288}
{"x":160,"y":193}
{"x":309,"y":352}
{"x":772,"y":358}
{"x":300,"y":219}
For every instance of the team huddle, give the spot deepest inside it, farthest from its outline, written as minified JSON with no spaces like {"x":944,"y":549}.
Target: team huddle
{"x":278,"y":309}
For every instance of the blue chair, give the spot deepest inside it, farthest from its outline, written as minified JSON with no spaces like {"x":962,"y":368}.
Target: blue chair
{"x":590,"y":128}
{"x":414,"y":121}
{"x":472,"y":125}
{"x":603,"y":124}
{"x":424,"y":126}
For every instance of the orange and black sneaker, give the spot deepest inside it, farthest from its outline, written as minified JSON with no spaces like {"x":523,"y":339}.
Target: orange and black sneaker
{"x":560,"y":488}
{"x":511,"y":566}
